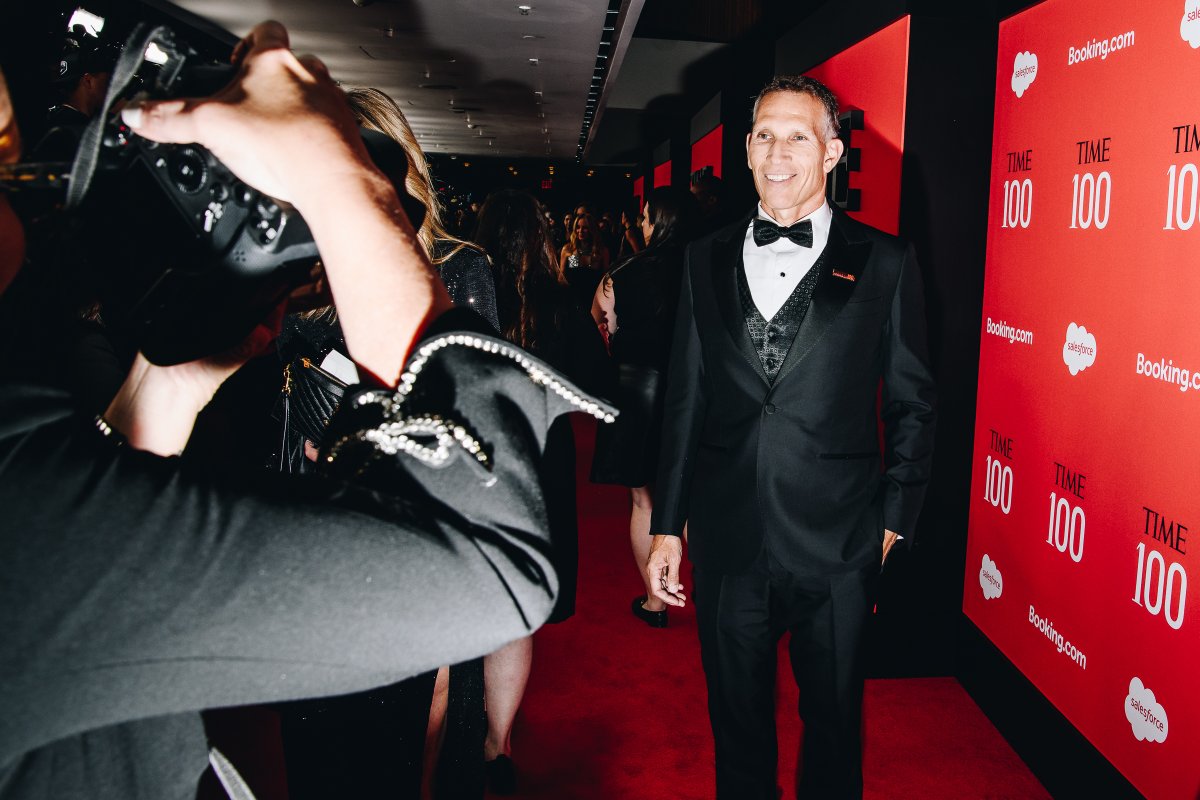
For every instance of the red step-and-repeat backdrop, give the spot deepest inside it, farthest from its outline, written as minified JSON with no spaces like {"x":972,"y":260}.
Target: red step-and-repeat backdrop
{"x":1084,"y":537}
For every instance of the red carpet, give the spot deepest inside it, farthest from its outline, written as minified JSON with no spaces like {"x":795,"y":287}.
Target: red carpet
{"x":616,"y":709}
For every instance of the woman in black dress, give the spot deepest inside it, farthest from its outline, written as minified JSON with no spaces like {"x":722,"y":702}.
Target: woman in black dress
{"x":636,"y":303}
{"x":584,"y":258}
{"x":537,"y":312}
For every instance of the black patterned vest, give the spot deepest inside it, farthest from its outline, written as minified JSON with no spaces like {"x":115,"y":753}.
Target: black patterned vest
{"x":772,"y":339}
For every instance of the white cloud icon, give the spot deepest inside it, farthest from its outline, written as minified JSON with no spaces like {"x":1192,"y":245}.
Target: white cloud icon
{"x":1189,"y":26}
{"x":1146,"y":716}
{"x":990,"y":579}
{"x":1079,"y":351}
{"x":1024,"y":71}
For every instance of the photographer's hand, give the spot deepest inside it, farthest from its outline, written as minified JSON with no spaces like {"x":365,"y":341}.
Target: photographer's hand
{"x":156,"y":407}
{"x":284,"y":127}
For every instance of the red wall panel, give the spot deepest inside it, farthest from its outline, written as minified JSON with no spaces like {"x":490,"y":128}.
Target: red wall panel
{"x":873,"y":76}
{"x":706,"y":151}
{"x":662,"y":174}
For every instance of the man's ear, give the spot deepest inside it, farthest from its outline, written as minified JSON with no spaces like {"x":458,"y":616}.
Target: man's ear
{"x":748,"y":164}
{"x":833,"y":154}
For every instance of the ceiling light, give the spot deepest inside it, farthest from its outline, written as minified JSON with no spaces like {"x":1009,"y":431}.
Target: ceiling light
{"x":524,"y":9}
{"x":532,"y":36}
{"x":533,"y":62}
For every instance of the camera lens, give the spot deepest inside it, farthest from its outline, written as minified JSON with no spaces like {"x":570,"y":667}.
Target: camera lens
{"x":187,"y":170}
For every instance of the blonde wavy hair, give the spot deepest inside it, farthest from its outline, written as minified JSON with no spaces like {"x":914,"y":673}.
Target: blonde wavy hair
{"x":375,"y":110}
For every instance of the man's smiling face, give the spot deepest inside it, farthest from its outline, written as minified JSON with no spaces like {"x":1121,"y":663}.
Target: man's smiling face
{"x":788,"y":153}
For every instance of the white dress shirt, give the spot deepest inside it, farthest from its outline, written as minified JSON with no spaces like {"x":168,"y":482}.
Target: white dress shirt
{"x":774,"y":270}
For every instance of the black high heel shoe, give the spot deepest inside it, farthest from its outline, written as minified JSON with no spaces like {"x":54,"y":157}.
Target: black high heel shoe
{"x":655,"y":619}
{"x":501,"y":775}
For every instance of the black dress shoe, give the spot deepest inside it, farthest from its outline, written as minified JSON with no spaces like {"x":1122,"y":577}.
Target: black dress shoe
{"x":501,"y":775}
{"x":655,"y":619}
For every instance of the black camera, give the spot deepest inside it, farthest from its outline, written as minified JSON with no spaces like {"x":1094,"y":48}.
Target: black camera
{"x":192,"y":257}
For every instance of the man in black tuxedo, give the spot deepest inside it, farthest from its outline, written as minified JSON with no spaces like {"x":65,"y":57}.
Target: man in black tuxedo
{"x":788,"y":325}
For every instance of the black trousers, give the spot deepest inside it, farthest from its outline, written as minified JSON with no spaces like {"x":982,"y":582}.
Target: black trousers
{"x":740,"y":620}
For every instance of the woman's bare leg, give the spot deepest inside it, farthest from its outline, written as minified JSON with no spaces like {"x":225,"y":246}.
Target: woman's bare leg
{"x":639,"y":538}
{"x":505,"y":673}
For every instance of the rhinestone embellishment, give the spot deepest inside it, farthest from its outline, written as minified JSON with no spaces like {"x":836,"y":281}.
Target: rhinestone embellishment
{"x":412,"y":435}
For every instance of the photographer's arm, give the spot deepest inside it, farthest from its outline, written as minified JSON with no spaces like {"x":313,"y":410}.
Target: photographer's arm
{"x":134,"y":586}
{"x":284,"y":127}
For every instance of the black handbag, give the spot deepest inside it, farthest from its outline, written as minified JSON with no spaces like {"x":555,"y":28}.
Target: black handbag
{"x":311,"y":395}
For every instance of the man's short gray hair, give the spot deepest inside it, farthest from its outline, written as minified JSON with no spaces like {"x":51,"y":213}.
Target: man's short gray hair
{"x":802,"y":84}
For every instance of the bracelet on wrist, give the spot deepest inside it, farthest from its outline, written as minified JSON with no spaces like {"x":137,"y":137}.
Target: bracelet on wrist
{"x":108,"y":431}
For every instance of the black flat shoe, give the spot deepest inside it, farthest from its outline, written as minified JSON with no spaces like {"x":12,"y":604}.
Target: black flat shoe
{"x":655,"y":619}
{"x":501,"y":775}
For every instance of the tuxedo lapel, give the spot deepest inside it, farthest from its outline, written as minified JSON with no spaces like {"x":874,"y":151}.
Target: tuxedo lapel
{"x":841,"y":265}
{"x":726,"y":261}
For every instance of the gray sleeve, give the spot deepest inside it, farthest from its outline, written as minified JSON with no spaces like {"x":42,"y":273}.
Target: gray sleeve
{"x":134,"y":586}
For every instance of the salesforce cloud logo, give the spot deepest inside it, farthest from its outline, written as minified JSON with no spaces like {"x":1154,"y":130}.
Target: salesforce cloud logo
{"x":1146,"y":716}
{"x":1189,"y":26}
{"x":990,"y":579}
{"x":1024,"y":71}
{"x":1079,"y":351}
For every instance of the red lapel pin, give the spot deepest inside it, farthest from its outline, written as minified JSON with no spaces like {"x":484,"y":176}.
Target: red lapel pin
{"x":846,"y":276}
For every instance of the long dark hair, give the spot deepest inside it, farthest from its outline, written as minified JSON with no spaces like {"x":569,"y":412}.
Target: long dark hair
{"x":529,"y":285}
{"x":672,"y":213}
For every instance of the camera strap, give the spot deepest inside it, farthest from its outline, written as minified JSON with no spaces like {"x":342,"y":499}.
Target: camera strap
{"x":84,"y":168}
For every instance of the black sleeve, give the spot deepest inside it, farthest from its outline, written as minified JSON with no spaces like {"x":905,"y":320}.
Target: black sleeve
{"x":685,"y":406}
{"x":133,"y":586}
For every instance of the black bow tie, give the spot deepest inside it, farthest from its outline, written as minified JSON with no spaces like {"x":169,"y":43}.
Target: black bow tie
{"x":766,"y":231}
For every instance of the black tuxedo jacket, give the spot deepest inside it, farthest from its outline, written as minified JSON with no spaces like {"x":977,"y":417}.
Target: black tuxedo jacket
{"x":798,"y":461}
